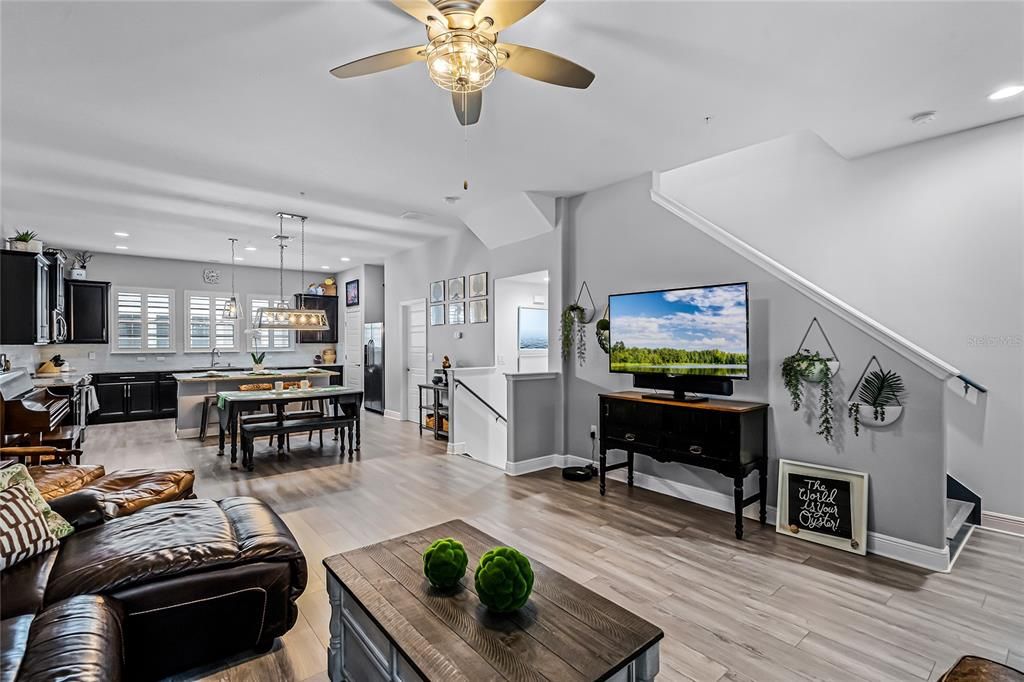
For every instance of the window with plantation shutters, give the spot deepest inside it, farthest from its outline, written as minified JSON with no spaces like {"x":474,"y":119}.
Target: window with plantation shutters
{"x":205,"y":326}
{"x":265,"y":339}
{"x":145,"y":320}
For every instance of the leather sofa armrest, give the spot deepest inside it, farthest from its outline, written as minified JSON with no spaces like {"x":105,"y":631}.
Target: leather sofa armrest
{"x":81,"y":638}
{"x":82,"y":509}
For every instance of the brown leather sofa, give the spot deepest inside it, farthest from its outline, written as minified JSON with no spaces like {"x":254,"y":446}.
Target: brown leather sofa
{"x":189,"y":583}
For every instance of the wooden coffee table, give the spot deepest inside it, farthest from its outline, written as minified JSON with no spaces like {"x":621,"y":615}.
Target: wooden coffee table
{"x":388,"y":623}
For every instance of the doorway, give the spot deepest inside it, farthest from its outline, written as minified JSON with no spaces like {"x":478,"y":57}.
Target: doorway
{"x":521,"y":323}
{"x":414,"y":356}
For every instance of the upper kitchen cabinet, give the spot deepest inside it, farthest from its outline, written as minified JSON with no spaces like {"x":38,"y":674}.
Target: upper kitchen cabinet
{"x":87,"y":311}
{"x":24,"y":298}
{"x":329,"y":304}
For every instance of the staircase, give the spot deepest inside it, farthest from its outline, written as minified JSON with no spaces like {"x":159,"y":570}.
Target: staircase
{"x":963,"y":513}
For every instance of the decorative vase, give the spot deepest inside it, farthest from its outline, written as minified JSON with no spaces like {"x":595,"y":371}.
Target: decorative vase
{"x":257,"y":367}
{"x":444,"y":563}
{"x":78,"y":273}
{"x":866,"y":416}
{"x":15,"y":245}
{"x":504,"y":579}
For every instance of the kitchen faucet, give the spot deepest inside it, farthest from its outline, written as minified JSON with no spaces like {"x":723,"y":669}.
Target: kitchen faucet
{"x":215,"y":351}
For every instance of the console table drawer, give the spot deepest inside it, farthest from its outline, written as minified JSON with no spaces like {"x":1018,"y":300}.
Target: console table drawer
{"x":700,"y":447}
{"x":630,"y":437}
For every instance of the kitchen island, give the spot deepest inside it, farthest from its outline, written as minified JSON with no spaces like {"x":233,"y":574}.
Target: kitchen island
{"x":193,"y":387}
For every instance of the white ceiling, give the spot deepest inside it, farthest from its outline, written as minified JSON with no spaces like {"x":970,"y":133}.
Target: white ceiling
{"x":184,"y":123}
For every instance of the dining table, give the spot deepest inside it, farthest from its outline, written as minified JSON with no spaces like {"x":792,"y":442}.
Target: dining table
{"x":231,"y":404}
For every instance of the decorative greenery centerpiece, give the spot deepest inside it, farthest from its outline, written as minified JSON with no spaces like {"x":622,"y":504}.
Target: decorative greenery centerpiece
{"x":878,"y":389}
{"x":257,"y":361}
{"x":444,"y":563}
{"x":573,"y":331}
{"x":504,"y":579}
{"x":805,"y":365}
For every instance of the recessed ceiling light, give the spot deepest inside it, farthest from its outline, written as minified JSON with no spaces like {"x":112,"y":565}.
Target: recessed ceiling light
{"x":325,"y":267}
{"x":120,"y":246}
{"x":121,"y":234}
{"x":250,"y":248}
{"x":345,"y":259}
{"x":1008,"y":91}
{"x":239,"y":258}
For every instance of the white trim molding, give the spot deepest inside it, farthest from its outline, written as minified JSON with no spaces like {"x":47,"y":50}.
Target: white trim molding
{"x":924,"y":556}
{"x":393,"y":414}
{"x":935,"y":366}
{"x":456,"y":448}
{"x":1004,"y":523}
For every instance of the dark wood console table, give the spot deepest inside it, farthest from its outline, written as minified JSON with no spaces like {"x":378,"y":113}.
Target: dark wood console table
{"x":728,"y":436}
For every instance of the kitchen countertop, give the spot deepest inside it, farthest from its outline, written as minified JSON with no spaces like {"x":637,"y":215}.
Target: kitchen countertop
{"x":62,"y":379}
{"x":245,"y":375}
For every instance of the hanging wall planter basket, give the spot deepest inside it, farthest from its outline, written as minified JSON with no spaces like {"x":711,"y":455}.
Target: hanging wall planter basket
{"x":806,"y":366}
{"x":877,"y":393}
{"x":866,"y":416}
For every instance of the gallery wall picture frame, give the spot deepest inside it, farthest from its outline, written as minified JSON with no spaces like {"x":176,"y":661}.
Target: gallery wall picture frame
{"x":478,"y":311}
{"x":477,"y":285}
{"x":457,"y":313}
{"x":351,"y":293}
{"x":456,"y":288}
{"x":823,"y":504}
{"x":437,"y":291}
{"x":437,"y":314}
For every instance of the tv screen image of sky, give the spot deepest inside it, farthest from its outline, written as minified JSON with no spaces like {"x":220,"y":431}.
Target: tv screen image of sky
{"x":681,"y":331}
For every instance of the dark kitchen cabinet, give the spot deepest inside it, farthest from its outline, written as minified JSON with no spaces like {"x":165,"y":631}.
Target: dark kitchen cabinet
{"x":24,"y":298}
{"x":166,"y":396}
{"x":329,"y":304}
{"x":125,"y":397}
{"x":88,"y":311}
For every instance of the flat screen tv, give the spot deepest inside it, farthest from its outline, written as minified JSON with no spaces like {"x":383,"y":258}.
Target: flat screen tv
{"x":693,"y":332}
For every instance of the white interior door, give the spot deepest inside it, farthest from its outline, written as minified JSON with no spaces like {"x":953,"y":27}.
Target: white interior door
{"x":354,"y":347}
{"x":415,"y":344}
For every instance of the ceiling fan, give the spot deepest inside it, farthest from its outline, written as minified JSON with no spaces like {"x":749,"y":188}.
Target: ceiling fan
{"x":463,"y":52}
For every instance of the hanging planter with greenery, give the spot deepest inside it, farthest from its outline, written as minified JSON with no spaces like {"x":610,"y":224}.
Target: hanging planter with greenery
{"x":573,"y":331}
{"x":878,"y":398}
{"x":812,"y":367}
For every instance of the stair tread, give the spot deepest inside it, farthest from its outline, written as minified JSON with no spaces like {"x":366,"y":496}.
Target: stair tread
{"x":957,"y":512}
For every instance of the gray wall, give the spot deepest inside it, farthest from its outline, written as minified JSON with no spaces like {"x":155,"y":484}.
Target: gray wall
{"x":181,"y":276}
{"x":618,"y":240}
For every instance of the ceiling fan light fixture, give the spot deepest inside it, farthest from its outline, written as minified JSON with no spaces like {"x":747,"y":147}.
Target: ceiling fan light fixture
{"x":462,"y":61}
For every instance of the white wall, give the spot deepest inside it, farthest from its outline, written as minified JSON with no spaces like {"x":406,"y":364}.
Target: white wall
{"x":509,"y":296}
{"x":181,"y":276}
{"x":928,"y":239}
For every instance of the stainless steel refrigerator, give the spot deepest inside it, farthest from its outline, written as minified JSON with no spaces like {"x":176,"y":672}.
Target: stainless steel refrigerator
{"x":373,"y":367}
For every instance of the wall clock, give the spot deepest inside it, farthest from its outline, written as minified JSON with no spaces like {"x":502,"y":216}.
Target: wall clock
{"x":211,"y":276}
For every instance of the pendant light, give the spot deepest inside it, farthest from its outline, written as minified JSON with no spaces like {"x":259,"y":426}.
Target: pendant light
{"x":280,"y":316}
{"x":231,"y":307}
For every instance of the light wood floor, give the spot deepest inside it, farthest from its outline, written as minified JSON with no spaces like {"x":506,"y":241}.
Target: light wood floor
{"x":766,"y":608}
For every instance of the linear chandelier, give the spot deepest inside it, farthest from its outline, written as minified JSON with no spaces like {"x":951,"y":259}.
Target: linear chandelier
{"x":280,"y":316}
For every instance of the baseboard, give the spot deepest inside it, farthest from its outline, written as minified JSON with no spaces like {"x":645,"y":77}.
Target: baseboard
{"x":916,"y":554}
{"x":1002,"y":522}
{"x":393,"y":414}
{"x":456,"y":448}
{"x":190,"y":433}
{"x":528,"y":466}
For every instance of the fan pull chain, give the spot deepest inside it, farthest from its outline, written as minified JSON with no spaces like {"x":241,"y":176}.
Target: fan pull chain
{"x":465,"y":137}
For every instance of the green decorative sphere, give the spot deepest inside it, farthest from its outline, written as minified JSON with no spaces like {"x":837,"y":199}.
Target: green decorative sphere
{"x":444,"y":563}
{"x":504,"y":579}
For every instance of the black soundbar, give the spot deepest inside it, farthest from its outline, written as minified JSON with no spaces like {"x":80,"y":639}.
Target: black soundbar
{"x":683,"y":387}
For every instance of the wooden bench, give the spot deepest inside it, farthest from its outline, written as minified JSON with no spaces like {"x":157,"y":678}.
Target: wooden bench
{"x":271,"y":427}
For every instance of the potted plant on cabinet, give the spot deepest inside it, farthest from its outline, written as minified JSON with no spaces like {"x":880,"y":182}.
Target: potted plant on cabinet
{"x":878,"y":400}
{"x":257,"y":361}
{"x":25,"y":240}
{"x":79,"y":264}
{"x":805,"y":365}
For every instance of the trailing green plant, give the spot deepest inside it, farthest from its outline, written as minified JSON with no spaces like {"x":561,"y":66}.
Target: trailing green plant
{"x":878,"y":390}
{"x":573,"y":332}
{"x":257,"y":358}
{"x":603,"y":331}
{"x":25,"y":235}
{"x":804,"y":365}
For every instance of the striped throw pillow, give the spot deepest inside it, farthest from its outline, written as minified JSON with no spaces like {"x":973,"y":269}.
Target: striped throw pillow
{"x":23,"y":529}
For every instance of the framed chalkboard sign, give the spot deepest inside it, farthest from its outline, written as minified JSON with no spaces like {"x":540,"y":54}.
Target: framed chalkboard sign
{"x":823,"y":504}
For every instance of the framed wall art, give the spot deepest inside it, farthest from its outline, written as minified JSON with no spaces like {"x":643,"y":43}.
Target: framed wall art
{"x":437,"y":291}
{"x":436,"y":314}
{"x":477,"y":285}
{"x":457,"y":313}
{"x":478,"y":311}
{"x":823,"y":504}
{"x":456,"y":288}
{"x":352,"y":293}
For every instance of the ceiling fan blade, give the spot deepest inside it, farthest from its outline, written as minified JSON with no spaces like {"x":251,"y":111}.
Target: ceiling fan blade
{"x":421,"y":10}
{"x":379,"y":62}
{"x":544,"y":66}
{"x":503,"y":13}
{"x":467,"y":106}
